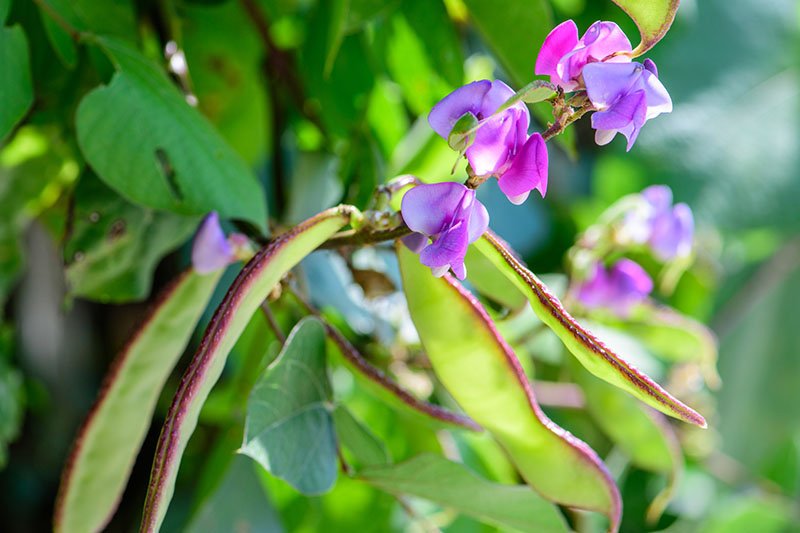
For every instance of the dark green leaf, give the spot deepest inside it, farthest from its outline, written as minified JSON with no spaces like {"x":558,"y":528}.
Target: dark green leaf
{"x":450,"y":484}
{"x":16,"y":87}
{"x":514,"y":31}
{"x":240,"y":503}
{"x":12,"y":397}
{"x":289,"y":427}
{"x":652,"y":17}
{"x":367,"y":449}
{"x":108,"y":443}
{"x":115,"y":246}
{"x":147,"y":143}
{"x":429,"y":20}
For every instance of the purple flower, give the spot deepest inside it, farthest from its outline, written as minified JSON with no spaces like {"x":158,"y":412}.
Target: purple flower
{"x":619,"y":288}
{"x":563,"y":56}
{"x":211,"y":250}
{"x":626,"y":96}
{"x":451,"y":217}
{"x":671,"y":228}
{"x":501,"y":146}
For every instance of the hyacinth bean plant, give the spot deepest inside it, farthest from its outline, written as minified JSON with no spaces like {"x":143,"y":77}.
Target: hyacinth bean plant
{"x":471,"y":307}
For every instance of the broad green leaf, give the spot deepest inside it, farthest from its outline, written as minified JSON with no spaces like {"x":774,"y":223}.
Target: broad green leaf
{"x":450,"y":484}
{"x":5,"y":6}
{"x":147,"y":143}
{"x":107,"y":445}
{"x":642,"y":434}
{"x":463,"y":132}
{"x":484,"y":376}
{"x":16,"y":87}
{"x":358,"y":439}
{"x":248,"y":291}
{"x":289,"y":426}
{"x":430,"y":21}
{"x":12,"y":395}
{"x":115,"y":246}
{"x":514,"y":31}
{"x":240,"y":502}
{"x":652,"y":17}
{"x":227,"y":75}
{"x":590,"y":352}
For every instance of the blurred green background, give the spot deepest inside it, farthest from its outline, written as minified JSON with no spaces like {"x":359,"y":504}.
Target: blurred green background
{"x":370,"y":71}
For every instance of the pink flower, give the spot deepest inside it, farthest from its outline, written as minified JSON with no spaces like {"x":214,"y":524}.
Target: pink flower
{"x":619,"y":288}
{"x":563,"y":56}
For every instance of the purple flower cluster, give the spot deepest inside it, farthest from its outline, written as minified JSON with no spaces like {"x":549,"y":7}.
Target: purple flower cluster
{"x":625,"y":94}
{"x":619,"y":288}
{"x":653,"y":221}
{"x":501,"y":146}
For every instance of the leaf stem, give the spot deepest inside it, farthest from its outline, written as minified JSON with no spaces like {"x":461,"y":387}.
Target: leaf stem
{"x":75,"y":34}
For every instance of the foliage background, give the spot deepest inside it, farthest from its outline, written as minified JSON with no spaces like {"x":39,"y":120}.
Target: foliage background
{"x":368,"y":71}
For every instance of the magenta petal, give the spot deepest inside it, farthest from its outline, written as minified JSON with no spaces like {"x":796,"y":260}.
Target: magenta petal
{"x":211,"y":251}
{"x":631,"y":278}
{"x":557,"y":44}
{"x":415,"y":242}
{"x":448,"y":249}
{"x":528,"y":170}
{"x":429,"y":208}
{"x":607,"y":82}
{"x":466,"y":99}
{"x":603,"y":39}
{"x":478,"y":222}
{"x":650,"y":65}
{"x":627,"y":110}
{"x":493,"y":143}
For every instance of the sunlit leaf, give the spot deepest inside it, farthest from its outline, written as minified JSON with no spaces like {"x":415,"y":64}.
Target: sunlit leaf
{"x":248,"y":291}
{"x":289,"y":425}
{"x":453,"y":485}
{"x":484,"y":376}
{"x":652,"y":17}
{"x":514,"y":31}
{"x":590,"y":352}
{"x":148,"y":144}
{"x":108,"y":443}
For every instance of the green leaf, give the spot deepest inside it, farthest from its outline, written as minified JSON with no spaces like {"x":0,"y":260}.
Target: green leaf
{"x":652,"y":17}
{"x":514,"y":31}
{"x":12,"y":395}
{"x":227,"y":76}
{"x":147,"y":143}
{"x":289,"y":427}
{"x":353,"y":435}
{"x":16,"y":87}
{"x":450,"y":484}
{"x":107,"y":445}
{"x":536,"y":91}
{"x":240,"y":502}
{"x":250,"y":288}
{"x":590,"y":352}
{"x":463,"y":132}
{"x":115,"y":246}
{"x":484,"y":376}
{"x":430,"y":21}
